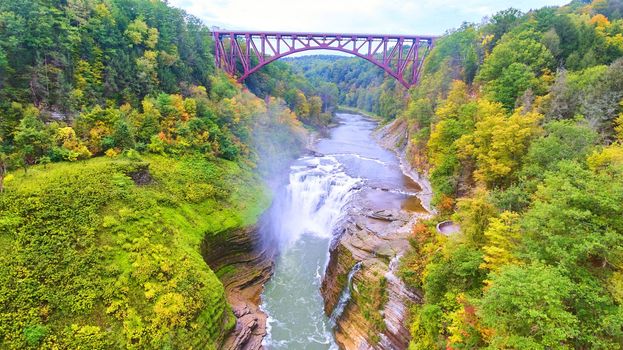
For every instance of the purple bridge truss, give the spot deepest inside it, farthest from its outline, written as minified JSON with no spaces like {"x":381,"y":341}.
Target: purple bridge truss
{"x":241,"y":53}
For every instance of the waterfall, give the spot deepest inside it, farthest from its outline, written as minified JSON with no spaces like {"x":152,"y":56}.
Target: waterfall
{"x":303,"y":219}
{"x":314,"y":201}
{"x":345,"y":295}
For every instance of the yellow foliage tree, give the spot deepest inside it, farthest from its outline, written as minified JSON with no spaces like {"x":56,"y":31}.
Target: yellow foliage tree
{"x":457,"y":97}
{"x":67,"y":138}
{"x":473,"y":216}
{"x":615,"y":285}
{"x":608,"y":156}
{"x":600,"y":20}
{"x":136,"y":30}
{"x":502,"y":235}
{"x":618,"y":127}
{"x":498,"y":142}
{"x":454,"y":114}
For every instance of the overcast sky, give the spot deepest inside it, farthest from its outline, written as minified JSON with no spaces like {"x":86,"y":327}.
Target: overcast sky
{"x":350,"y":16}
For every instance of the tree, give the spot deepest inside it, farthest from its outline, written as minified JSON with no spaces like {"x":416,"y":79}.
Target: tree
{"x":459,"y":49}
{"x":551,"y":40}
{"x":72,"y":148}
{"x":9,"y":120}
{"x":564,"y":139}
{"x":600,"y":101}
{"x":523,"y":48}
{"x":608,"y":157}
{"x":122,"y":136}
{"x":515,"y":79}
{"x":473,"y":215}
{"x":301,"y":107}
{"x":456,"y":116}
{"x":503,"y":237}
{"x":4,"y":165}
{"x":575,"y":219}
{"x":502,"y":22}
{"x":561,"y":102}
{"x":498,"y":142}
{"x":32,"y":139}
{"x":525,"y":308}
{"x":315,"y":106}
{"x":147,"y":123}
{"x":618,"y":128}
{"x":391,"y":100}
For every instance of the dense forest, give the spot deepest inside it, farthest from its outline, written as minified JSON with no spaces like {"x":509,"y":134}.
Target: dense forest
{"x":83,"y":78}
{"x":518,"y":123}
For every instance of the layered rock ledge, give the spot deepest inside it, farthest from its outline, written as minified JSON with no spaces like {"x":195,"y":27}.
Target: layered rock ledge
{"x":376,"y":316}
{"x":243,"y":265}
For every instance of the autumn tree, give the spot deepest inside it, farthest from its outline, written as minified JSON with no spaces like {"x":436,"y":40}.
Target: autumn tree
{"x":503,"y":236}
{"x":71,"y":148}
{"x":4,"y":165}
{"x":499,"y":142}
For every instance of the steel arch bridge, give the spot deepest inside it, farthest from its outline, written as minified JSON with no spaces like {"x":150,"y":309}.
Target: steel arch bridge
{"x":241,"y":53}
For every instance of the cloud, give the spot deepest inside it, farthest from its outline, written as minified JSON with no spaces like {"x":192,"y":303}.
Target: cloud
{"x":360,"y":16}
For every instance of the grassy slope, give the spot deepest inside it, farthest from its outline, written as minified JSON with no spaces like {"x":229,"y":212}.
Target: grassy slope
{"x":92,"y":260}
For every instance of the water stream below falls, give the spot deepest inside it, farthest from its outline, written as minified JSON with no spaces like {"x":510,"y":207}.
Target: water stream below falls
{"x":349,"y":169}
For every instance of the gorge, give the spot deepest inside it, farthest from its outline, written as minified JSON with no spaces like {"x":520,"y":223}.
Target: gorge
{"x":168,"y":184}
{"x":341,"y":223}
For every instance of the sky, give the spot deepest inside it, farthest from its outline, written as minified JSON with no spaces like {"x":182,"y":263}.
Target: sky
{"x":425,"y":17}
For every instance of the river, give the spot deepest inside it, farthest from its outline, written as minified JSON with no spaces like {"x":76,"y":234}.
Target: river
{"x":349,"y":168}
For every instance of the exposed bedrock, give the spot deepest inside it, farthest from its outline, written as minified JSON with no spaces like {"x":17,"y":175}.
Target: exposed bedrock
{"x":376,"y":315}
{"x":243,"y":265}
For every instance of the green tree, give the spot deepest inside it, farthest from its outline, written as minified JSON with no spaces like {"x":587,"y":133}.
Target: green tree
{"x":522,"y":48}
{"x":123,"y":136}
{"x":581,"y":232}
{"x":514,"y":81}
{"x":525,"y":307}
{"x":564,"y":139}
{"x":32,"y":139}
{"x":503,"y":22}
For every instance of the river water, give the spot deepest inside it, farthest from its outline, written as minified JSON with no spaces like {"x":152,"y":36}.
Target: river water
{"x":349,"y":167}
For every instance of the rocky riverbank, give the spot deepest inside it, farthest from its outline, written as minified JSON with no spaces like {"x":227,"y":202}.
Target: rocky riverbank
{"x":395,"y":136}
{"x":243,"y":265}
{"x":376,"y":238}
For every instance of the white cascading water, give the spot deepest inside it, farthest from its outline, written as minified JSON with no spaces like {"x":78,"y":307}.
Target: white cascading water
{"x":345,"y":296}
{"x":303,"y":220}
{"x":316,"y":195}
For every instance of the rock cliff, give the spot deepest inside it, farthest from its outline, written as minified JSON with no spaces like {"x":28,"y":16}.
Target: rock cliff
{"x":243,"y":265}
{"x":376,"y":315}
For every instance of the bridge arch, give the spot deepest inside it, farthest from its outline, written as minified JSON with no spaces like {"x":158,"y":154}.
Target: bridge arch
{"x":401,"y":56}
